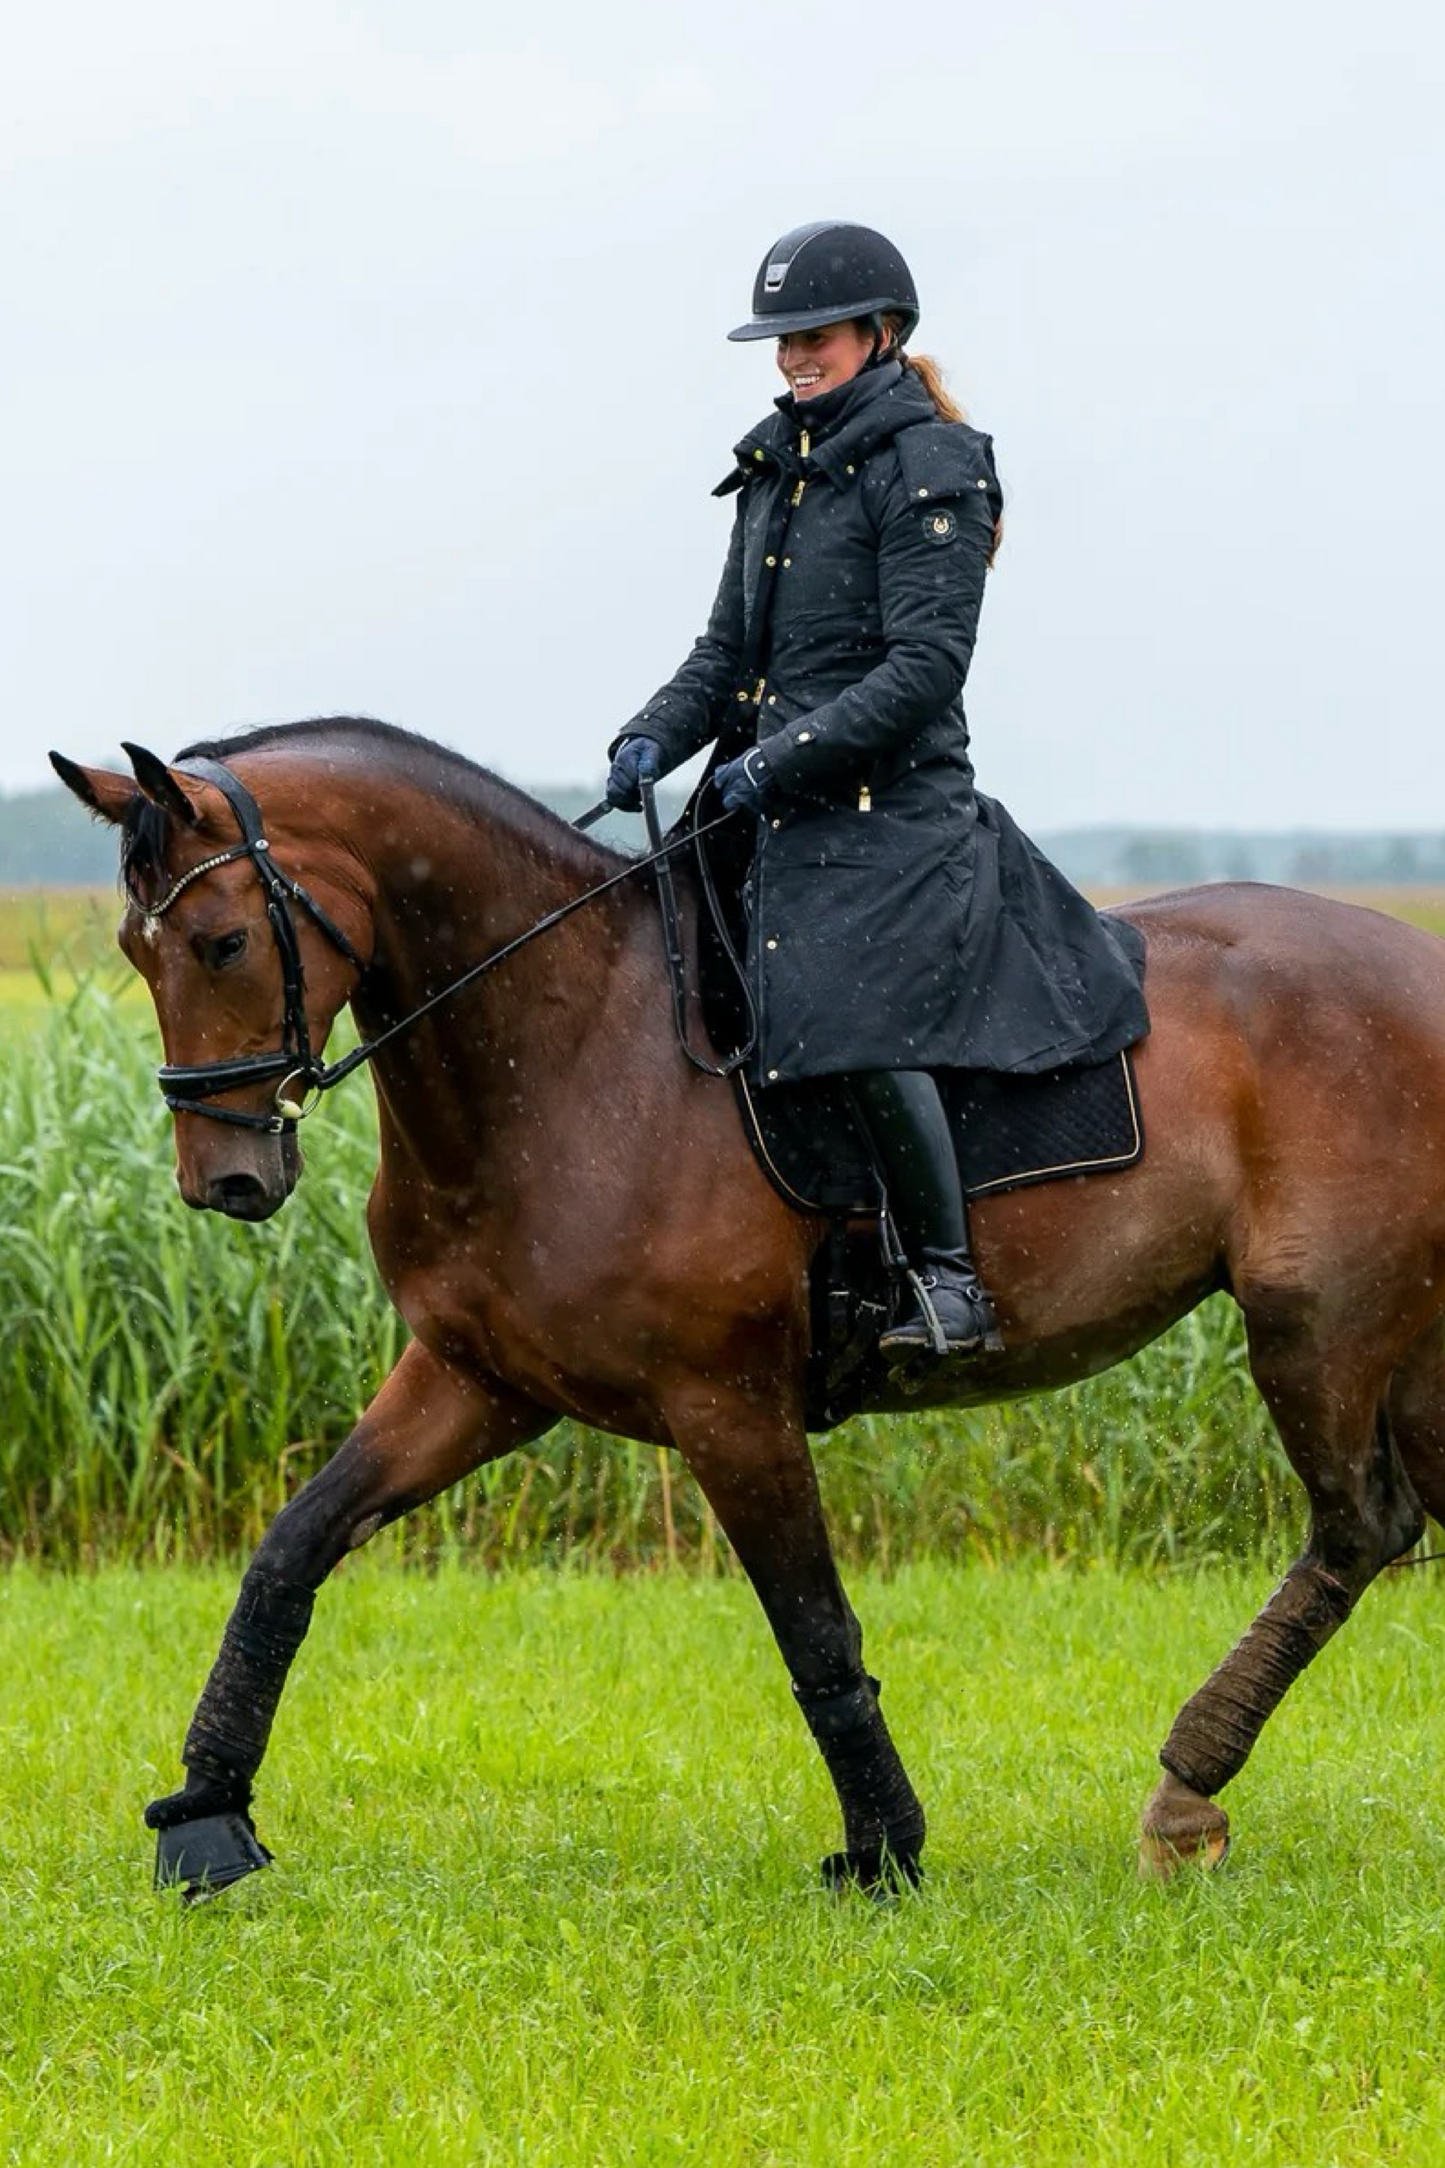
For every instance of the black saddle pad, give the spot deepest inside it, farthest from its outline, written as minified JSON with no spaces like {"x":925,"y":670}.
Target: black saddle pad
{"x":1008,"y":1131}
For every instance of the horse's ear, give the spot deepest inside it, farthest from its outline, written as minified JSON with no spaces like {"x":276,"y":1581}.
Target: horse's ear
{"x":108,"y":796}
{"x":161,"y":786}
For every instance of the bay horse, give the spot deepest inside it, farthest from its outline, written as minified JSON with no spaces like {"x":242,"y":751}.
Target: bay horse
{"x":570,"y":1221}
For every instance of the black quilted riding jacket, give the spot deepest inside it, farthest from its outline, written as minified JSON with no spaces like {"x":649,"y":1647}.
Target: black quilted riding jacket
{"x":896,"y":919}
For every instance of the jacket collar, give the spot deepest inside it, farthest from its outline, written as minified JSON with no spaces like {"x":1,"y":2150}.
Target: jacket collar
{"x":844,"y":428}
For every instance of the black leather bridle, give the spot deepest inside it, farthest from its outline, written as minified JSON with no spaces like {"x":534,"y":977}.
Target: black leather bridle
{"x":188,"y":1088}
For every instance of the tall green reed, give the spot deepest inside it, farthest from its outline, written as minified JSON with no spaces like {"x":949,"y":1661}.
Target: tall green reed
{"x":168,"y":1378}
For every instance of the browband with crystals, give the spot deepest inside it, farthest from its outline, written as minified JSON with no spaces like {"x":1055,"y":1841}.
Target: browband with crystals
{"x":208,"y":865}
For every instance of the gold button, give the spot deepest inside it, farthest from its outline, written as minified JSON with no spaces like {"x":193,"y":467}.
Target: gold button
{"x":760,"y":453}
{"x":981,"y":483}
{"x":786,"y":562}
{"x":851,"y":470}
{"x":923,"y":492}
{"x":772,"y":700}
{"x":772,"y":944}
{"x":743,"y":697}
{"x":805,"y":737}
{"x":772,"y":1076}
{"x":777,"y":824}
{"x":770,"y":560}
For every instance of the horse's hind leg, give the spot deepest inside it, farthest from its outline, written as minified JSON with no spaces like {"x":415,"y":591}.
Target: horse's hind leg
{"x":756,"y":1471}
{"x":426,"y":1428}
{"x":1416,"y":1407}
{"x":1363,"y":1512}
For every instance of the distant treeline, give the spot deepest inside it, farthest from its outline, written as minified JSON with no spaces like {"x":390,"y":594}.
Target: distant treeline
{"x":1140,"y":859}
{"x":46,"y":842}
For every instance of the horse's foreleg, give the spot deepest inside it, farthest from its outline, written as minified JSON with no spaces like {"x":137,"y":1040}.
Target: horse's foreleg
{"x":1364,"y":1512}
{"x":757,"y":1474}
{"x":426,"y":1428}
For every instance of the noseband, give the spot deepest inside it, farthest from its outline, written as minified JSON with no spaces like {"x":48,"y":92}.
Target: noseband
{"x":186,"y":1087}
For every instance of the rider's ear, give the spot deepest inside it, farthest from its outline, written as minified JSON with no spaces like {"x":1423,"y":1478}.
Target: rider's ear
{"x":160,"y":785}
{"x":109,"y":796}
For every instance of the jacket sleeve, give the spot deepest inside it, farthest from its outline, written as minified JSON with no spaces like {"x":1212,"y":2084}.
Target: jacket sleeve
{"x":685,"y":712}
{"x":935,"y":535}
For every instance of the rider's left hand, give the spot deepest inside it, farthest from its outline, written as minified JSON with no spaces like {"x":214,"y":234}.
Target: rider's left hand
{"x":747,"y":784}
{"x":637,"y":760}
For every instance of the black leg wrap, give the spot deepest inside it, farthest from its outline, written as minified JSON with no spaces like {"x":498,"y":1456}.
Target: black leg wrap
{"x":1216,"y":1728}
{"x":205,"y":1837}
{"x":233,"y":1721}
{"x":883,"y":1821}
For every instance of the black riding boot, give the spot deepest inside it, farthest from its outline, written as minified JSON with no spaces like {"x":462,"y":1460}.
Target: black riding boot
{"x":904,"y":1117}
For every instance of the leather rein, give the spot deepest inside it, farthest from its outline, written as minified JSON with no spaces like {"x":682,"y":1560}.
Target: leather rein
{"x":295,"y":1068}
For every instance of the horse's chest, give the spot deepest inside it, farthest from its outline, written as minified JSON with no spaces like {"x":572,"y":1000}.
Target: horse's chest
{"x":480,"y":1295}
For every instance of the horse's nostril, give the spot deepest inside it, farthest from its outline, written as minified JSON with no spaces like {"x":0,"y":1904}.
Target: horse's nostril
{"x":241,"y":1196}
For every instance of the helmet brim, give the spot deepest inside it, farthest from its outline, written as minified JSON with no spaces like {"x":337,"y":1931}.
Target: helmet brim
{"x":779,"y":326}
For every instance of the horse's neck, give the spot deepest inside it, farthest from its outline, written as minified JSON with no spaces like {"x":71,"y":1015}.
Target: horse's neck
{"x":450,"y":890}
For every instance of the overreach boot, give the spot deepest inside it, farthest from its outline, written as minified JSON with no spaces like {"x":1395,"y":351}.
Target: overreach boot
{"x":950,"y":1312}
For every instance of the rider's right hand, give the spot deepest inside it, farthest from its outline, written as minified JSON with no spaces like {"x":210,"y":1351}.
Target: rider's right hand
{"x":635,"y":758}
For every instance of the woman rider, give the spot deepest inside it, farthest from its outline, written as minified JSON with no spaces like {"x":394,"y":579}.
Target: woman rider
{"x":898,"y":922}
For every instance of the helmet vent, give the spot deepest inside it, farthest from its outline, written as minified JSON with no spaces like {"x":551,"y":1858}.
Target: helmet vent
{"x":773,"y":277}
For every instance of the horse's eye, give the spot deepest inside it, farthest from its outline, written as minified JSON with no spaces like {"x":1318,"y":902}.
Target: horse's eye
{"x":225,"y":949}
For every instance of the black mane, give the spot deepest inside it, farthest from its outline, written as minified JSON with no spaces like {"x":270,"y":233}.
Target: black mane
{"x":465,"y":784}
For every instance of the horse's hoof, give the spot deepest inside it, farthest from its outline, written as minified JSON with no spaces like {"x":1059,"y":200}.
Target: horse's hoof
{"x":1181,"y":1828}
{"x":875,"y":1872}
{"x":203,"y":1857}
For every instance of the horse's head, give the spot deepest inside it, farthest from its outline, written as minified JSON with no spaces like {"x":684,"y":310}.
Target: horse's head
{"x":246,"y":965}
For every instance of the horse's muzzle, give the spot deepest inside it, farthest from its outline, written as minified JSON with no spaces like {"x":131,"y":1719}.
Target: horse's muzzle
{"x":249,"y":1193}
{"x":242,"y":1197}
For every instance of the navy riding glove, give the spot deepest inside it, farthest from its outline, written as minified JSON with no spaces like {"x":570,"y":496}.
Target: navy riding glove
{"x":747,"y":784}
{"x":635,"y":759}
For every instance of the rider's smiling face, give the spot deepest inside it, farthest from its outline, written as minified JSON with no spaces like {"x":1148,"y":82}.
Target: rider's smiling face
{"x":821,"y":360}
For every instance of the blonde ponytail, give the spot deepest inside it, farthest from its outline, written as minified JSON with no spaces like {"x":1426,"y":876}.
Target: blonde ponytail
{"x":930,"y":376}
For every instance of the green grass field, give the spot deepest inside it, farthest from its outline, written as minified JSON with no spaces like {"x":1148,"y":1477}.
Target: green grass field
{"x":545,"y":1886}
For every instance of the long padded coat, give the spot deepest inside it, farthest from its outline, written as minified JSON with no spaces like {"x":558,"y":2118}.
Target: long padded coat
{"x":896,"y":919}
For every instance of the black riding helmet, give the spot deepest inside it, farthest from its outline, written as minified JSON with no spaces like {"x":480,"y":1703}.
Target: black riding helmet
{"x":827,"y":273}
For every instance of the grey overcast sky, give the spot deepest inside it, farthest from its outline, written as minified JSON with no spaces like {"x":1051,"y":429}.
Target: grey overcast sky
{"x":370,"y":358}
